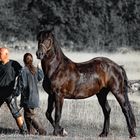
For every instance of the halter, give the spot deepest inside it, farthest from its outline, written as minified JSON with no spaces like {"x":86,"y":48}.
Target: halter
{"x":44,"y":47}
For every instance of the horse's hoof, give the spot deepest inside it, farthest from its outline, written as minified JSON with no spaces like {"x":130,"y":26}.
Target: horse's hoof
{"x":132,"y":137}
{"x":55,"y":133}
{"x":64,"y":132}
{"x":61,"y":132}
{"x":103,"y":134}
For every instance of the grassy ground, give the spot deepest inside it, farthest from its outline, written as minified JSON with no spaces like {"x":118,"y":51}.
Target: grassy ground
{"x":82,"y":119}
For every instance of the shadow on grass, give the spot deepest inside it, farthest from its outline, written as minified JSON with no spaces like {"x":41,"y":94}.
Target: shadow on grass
{"x":8,"y":131}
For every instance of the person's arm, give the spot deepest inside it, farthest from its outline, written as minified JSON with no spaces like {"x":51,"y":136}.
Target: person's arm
{"x":40,"y":74}
{"x":17,"y":67}
{"x":21,"y":83}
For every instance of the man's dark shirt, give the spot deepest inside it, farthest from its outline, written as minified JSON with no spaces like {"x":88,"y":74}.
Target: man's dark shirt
{"x":8,"y":74}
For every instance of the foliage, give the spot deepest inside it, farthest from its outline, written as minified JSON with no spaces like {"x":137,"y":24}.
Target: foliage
{"x":89,"y":24}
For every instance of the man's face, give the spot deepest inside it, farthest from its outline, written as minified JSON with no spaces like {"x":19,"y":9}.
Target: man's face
{"x":4,"y":55}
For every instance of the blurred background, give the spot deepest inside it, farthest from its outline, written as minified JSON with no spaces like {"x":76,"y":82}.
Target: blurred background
{"x":85,"y":29}
{"x":90,"y":25}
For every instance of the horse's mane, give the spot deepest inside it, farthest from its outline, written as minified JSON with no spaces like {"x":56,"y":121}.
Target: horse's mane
{"x":57,"y":44}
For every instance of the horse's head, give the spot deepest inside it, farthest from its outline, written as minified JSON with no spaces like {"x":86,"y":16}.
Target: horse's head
{"x":45,"y":42}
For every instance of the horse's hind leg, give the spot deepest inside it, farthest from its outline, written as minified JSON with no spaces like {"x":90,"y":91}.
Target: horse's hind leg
{"x":102,"y":98}
{"x":127,"y":110}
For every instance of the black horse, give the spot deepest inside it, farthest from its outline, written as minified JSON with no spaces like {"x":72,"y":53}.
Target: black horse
{"x":66,"y":79}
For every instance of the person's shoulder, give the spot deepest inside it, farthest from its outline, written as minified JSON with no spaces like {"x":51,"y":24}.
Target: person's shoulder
{"x":15,"y":63}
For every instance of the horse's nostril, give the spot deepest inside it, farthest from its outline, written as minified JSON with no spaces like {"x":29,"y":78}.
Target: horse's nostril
{"x":37,"y":54}
{"x":41,"y":53}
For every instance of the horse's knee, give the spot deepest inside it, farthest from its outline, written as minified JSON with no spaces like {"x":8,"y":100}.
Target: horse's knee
{"x":125,"y":109}
{"x":108,"y":110}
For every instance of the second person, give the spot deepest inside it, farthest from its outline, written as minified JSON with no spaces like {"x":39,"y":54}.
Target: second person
{"x":27,"y":87}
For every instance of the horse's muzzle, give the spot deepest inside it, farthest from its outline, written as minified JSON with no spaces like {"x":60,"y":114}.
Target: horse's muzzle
{"x":39,"y":55}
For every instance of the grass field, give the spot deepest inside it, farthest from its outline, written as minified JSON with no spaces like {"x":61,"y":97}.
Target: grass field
{"x":82,"y":119}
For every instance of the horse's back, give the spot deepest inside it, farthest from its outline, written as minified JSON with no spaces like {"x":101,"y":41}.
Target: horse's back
{"x":96,"y":64}
{"x":105,"y":69}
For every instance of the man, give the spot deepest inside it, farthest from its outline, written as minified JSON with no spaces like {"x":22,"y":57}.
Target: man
{"x":9,"y":70}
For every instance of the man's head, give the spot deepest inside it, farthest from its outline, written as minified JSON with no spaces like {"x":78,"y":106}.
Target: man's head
{"x":4,"y":55}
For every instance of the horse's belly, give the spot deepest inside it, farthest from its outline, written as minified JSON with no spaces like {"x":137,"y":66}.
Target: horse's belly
{"x":82,"y":93}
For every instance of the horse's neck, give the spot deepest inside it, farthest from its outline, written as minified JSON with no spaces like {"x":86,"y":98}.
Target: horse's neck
{"x":61,"y":56}
{"x":50,"y":66}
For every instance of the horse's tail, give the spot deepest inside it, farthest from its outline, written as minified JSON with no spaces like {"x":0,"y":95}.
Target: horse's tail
{"x":126,"y":97}
{"x":125,"y":80}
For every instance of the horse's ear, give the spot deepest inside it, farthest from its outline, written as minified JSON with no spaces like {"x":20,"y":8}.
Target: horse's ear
{"x":50,"y":35}
{"x":38,"y":35}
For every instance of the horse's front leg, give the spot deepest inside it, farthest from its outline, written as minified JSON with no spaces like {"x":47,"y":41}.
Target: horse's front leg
{"x":58,"y":130}
{"x":51,"y":102}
